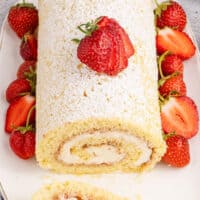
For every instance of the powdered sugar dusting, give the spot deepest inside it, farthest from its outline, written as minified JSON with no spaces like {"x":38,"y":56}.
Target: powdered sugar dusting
{"x":67,"y":92}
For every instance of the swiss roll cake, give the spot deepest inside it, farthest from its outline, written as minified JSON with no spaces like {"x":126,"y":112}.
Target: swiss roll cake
{"x":90,"y":122}
{"x":73,"y":191}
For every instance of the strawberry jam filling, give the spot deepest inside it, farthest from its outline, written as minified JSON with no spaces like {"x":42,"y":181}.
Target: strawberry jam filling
{"x":67,"y":197}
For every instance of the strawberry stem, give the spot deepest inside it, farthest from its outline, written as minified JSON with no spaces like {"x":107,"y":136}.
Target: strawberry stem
{"x":160,"y":60}
{"x":161,"y":98}
{"x":77,"y":41}
{"x":29,"y":115}
{"x":161,"y":7}
{"x":174,"y":93}
{"x":24,"y":4}
{"x":156,"y":2}
{"x":31,"y":77}
{"x":89,"y":27}
{"x":166,"y":136}
{"x":82,"y":30}
{"x":165,"y":78}
{"x":24,"y":93}
{"x":27,"y":127}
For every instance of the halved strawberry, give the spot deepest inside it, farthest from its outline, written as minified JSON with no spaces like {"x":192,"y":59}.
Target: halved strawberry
{"x":105,"y":21}
{"x":180,"y":115}
{"x":17,"y":88}
{"x":178,"y":151}
{"x":17,"y":112}
{"x":176,"y":42}
{"x":174,"y":86}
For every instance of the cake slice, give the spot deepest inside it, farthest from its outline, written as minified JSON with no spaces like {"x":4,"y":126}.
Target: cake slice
{"x":73,"y":191}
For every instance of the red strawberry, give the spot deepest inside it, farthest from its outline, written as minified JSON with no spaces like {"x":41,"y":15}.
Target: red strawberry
{"x":17,"y":88}
{"x":23,"y":144}
{"x":176,"y":42}
{"x":172,"y":64}
{"x":17,"y":112}
{"x":173,"y":86}
{"x":93,"y":55}
{"x":23,"y":18}
{"x":105,"y":21}
{"x":171,"y":14}
{"x":180,"y":115}
{"x":103,"y":51}
{"x":28,"y":47}
{"x":178,"y":152}
{"x":26,"y":69}
{"x":103,"y":48}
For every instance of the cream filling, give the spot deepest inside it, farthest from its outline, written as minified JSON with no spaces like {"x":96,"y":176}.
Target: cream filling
{"x":105,"y":153}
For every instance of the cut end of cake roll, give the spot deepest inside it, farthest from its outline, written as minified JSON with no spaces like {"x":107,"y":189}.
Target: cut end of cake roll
{"x":99,"y":146}
{"x":73,"y":191}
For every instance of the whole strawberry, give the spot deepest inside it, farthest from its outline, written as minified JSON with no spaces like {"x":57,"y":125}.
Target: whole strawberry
{"x":23,"y":143}
{"x":23,"y":18}
{"x":28,"y":47}
{"x":26,"y":70}
{"x":17,"y":88}
{"x":22,"y":138}
{"x":178,"y":152}
{"x":172,"y":64}
{"x":174,"y":86}
{"x":171,"y":14}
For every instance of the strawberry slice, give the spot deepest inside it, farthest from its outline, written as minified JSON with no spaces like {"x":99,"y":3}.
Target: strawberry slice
{"x":121,"y":58}
{"x":129,"y":49}
{"x":17,"y":112}
{"x":177,"y":42}
{"x":180,"y":115}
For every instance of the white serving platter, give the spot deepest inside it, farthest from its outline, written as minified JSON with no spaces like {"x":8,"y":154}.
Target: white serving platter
{"x":21,"y":179}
